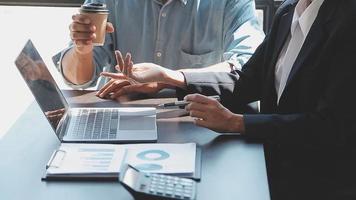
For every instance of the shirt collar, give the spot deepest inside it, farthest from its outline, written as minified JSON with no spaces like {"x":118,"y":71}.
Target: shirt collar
{"x":307,"y":18}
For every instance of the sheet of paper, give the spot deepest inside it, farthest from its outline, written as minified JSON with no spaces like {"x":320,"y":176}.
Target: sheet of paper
{"x":108,"y":158}
{"x":87,"y":158}
{"x":162,"y":158}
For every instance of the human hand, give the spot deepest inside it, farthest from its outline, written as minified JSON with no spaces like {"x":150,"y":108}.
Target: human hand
{"x":142,"y":72}
{"x":82,"y":33}
{"x":148,"y":72}
{"x":119,"y":85}
{"x":211,"y":114}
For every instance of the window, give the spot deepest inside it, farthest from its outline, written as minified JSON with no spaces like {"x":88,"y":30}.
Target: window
{"x":47,"y":27}
{"x":265,"y":11}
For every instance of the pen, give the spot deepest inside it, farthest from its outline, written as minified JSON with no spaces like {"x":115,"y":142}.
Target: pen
{"x":183,"y":103}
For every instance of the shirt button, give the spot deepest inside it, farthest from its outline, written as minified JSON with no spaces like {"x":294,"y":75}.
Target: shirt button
{"x":159,"y":54}
{"x":164,"y":14}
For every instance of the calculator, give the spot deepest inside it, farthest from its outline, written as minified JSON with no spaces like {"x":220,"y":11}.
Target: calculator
{"x":156,"y":186}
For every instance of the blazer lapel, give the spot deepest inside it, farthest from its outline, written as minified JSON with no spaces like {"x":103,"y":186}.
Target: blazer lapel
{"x":315,"y":38}
{"x":283,"y":32}
{"x":312,"y":42}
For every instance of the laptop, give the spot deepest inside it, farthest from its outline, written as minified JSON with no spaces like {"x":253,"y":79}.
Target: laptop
{"x":96,"y":125}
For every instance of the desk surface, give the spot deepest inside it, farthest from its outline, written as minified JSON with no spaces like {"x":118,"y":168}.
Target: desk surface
{"x":232,"y":168}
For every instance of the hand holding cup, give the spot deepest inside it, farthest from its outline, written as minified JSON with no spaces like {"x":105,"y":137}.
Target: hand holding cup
{"x":88,"y":28}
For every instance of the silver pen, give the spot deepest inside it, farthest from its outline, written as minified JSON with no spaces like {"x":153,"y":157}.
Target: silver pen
{"x":183,"y":103}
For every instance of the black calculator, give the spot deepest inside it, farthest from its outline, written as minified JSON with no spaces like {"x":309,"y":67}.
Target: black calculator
{"x":156,"y":186}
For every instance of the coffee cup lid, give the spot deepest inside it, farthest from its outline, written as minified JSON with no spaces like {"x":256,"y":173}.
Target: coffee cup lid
{"x":94,"y":7}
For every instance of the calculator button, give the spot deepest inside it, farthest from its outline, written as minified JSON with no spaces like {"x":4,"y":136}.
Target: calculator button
{"x":179,"y":191}
{"x":187,"y":193}
{"x":179,"y":186}
{"x":188,"y":187}
{"x":169,"y":192}
{"x":187,"y":183}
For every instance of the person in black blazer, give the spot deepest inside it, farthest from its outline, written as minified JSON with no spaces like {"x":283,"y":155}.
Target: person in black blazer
{"x":310,"y":134}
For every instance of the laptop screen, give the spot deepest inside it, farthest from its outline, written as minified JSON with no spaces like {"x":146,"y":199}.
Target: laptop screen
{"x":41,"y":83}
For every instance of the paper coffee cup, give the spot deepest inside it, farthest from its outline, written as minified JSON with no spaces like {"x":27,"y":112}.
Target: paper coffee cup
{"x":98,"y":15}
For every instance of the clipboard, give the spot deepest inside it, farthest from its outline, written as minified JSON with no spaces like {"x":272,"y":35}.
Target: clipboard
{"x":55,"y":161}
{"x":58,"y":155}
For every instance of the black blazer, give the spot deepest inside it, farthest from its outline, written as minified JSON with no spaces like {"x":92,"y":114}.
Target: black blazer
{"x":310,"y":136}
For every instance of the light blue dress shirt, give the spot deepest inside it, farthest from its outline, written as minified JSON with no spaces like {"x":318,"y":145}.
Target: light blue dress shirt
{"x":179,"y":34}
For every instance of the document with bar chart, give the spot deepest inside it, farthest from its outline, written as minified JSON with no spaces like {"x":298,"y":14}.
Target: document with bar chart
{"x":83,"y":160}
{"x":103,"y":161}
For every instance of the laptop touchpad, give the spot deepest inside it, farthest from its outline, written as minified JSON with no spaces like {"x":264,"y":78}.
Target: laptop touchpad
{"x":131,"y":123}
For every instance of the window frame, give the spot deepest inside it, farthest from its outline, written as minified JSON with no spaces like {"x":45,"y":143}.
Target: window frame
{"x":269,"y":7}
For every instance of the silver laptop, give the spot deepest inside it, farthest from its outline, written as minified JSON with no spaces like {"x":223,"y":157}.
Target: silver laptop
{"x":98,"y":125}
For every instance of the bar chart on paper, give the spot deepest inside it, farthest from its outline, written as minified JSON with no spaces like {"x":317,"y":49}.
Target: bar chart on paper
{"x":80,"y":159}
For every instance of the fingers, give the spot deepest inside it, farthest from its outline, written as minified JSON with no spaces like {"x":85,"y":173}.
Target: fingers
{"x":126,"y":90}
{"x":202,"y":123}
{"x":113,"y":75}
{"x":198,"y":98}
{"x":198,"y":114}
{"x":104,"y":88}
{"x":120,"y":61}
{"x":82,"y":19}
{"x":112,"y":87}
{"x":139,"y":88}
{"x":81,"y":30}
{"x":124,"y":65}
{"x":109,"y":28}
{"x":127,"y":65}
{"x":196,"y":107}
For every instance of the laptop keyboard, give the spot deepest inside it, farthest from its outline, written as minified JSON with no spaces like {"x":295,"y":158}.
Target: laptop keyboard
{"x":95,"y":124}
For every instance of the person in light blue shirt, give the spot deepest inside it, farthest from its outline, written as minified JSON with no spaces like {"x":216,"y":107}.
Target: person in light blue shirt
{"x":199,"y":35}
